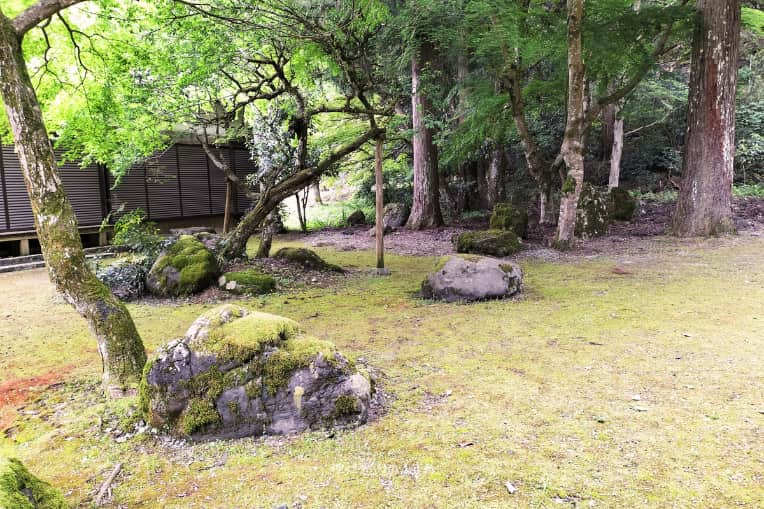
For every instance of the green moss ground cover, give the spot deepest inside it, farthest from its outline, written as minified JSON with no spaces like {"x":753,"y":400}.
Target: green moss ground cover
{"x":541,"y":392}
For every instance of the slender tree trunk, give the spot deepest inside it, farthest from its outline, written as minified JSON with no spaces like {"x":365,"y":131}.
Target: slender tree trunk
{"x":617,"y":150}
{"x":494,"y":180}
{"x":481,"y":179}
{"x":425,"y":209}
{"x":119,"y":344}
{"x":380,"y":207}
{"x":572,"y":149}
{"x":704,"y":205}
{"x":317,"y":192}
{"x":607,"y":135}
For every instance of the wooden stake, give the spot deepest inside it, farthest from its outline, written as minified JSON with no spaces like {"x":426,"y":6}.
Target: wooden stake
{"x":107,"y":484}
{"x":229,"y":189}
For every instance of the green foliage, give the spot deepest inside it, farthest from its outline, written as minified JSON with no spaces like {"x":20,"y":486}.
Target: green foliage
{"x":753,"y":19}
{"x":138,"y":234}
{"x":748,"y":190}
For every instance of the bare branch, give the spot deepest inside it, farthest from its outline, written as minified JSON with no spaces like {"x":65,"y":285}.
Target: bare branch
{"x":38,"y":13}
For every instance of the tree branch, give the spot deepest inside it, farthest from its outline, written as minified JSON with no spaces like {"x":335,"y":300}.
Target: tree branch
{"x":38,"y":13}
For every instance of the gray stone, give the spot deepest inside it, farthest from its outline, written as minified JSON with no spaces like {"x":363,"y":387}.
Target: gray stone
{"x":471,"y":278}
{"x":191,"y":230}
{"x":395,"y":215}
{"x":126,"y":278}
{"x":238,"y":373}
{"x":385,"y":230}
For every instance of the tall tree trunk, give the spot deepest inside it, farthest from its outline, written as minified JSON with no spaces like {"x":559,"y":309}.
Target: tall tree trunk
{"x":481,"y":181}
{"x":607,"y":134}
{"x":495,"y":177}
{"x":119,"y":344}
{"x":379,"y":225}
{"x":317,"y":193}
{"x":617,"y":149}
{"x":704,"y":205}
{"x":572,"y":149}
{"x":425,"y":208}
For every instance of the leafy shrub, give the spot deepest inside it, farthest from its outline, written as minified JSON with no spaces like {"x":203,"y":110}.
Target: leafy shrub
{"x":137,"y":234}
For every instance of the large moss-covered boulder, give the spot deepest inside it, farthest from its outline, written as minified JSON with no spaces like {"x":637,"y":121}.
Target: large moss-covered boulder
{"x":239,"y":373}
{"x":395,"y":215}
{"x":19,"y":489}
{"x":592,"y":216}
{"x":247,"y":282}
{"x":488,"y":242}
{"x":307,"y":258}
{"x":470,"y":278}
{"x":185,"y":267}
{"x":357,"y":218}
{"x":621,"y":204}
{"x":506,"y":216}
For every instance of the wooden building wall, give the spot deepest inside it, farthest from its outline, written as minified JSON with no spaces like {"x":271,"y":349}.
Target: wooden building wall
{"x":175,"y":184}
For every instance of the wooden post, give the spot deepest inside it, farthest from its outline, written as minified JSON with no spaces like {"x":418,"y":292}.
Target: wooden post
{"x":24,"y":247}
{"x":228,"y":201}
{"x":380,"y":227}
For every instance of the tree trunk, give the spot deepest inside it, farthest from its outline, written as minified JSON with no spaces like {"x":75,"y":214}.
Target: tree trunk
{"x":317,"y":193}
{"x":119,"y":344}
{"x":617,"y":150}
{"x":425,"y":209}
{"x":572,"y":149}
{"x":704,"y":205}
{"x":494,"y":180}
{"x":379,"y":196}
{"x":481,"y":181}
{"x":607,"y":135}
{"x":266,"y":236}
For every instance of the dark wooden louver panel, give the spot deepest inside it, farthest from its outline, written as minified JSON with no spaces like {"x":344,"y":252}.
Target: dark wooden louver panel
{"x":243,"y":168}
{"x":218,"y":185}
{"x":19,"y":209}
{"x":130,"y":194}
{"x":194,"y":180}
{"x":83,"y":189}
{"x":162,"y":183}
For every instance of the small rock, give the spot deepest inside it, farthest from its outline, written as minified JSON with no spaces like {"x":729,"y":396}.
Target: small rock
{"x":636,"y":397}
{"x":510,"y":488}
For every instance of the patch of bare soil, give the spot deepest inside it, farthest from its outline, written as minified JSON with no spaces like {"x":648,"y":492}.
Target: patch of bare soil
{"x":18,"y":391}
{"x":434,"y":242}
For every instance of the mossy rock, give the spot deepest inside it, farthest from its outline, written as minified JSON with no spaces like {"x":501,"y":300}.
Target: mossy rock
{"x":357,"y":218}
{"x":506,"y":216}
{"x":468,"y":278}
{"x":247,"y":282}
{"x":19,"y":489}
{"x":621,"y":204}
{"x":592,"y":217}
{"x":240,"y":373}
{"x":184,"y":268}
{"x":488,"y":242}
{"x":306,"y":258}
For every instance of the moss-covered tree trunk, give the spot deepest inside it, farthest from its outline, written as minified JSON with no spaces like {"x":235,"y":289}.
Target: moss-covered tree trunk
{"x":614,"y":178}
{"x":119,"y":344}
{"x":704,"y":205}
{"x":425,"y":207}
{"x":573,"y":143}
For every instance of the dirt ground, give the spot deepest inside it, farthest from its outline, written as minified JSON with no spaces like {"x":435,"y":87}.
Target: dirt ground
{"x":653,"y":220}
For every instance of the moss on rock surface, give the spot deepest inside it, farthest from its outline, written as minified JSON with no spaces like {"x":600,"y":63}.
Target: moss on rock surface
{"x":307,"y":258}
{"x":592,"y":217}
{"x":488,"y":242}
{"x":247,"y":282}
{"x":506,"y":216}
{"x":621,"y":204}
{"x":239,"y":373}
{"x":186,"y":267}
{"x":19,"y":489}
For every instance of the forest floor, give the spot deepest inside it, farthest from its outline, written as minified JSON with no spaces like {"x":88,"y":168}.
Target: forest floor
{"x":629,"y":374}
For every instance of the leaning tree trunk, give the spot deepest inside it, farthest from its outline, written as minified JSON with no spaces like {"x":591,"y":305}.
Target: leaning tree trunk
{"x":119,"y":344}
{"x":572,"y":149}
{"x":704,"y":205}
{"x":266,"y":236}
{"x":425,"y":208}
